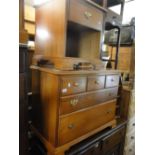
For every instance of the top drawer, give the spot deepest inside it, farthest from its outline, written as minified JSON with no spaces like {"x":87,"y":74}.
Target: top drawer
{"x":112,"y":81}
{"x":83,"y":13}
{"x":73,"y":85}
{"x":95,"y":82}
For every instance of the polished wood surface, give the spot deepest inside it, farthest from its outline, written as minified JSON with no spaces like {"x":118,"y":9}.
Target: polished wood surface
{"x":76,"y":72}
{"x":112,"y":81}
{"x":52,"y":111}
{"x":50,"y":37}
{"x":60,"y":150}
{"x":70,"y":126}
{"x":73,"y":85}
{"x":96,"y":82}
{"x":84,"y":14}
{"x":83,"y":100}
{"x":60,"y":88}
{"x":91,"y":41}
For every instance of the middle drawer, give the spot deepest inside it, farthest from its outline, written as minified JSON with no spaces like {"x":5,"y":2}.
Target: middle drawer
{"x":76,"y":102}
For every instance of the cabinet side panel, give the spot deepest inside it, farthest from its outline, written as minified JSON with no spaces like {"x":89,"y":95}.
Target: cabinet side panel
{"x":45,"y":104}
{"x":51,"y":29}
{"x":49,"y":98}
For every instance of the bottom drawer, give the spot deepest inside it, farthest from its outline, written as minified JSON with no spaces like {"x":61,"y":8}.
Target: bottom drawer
{"x":77,"y":124}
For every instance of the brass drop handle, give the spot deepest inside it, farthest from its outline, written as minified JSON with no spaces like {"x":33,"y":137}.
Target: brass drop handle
{"x":97,"y":82}
{"x":71,"y":126}
{"x":74,"y":102}
{"x":87,"y":14}
{"x":76,"y":84}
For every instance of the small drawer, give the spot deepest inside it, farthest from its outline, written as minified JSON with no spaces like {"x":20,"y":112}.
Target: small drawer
{"x":83,"y":13}
{"x":76,"y":102}
{"x":114,"y":139}
{"x":112,"y":81}
{"x":96,"y":82}
{"x":80,"y":123}
{"x":73,"y":85}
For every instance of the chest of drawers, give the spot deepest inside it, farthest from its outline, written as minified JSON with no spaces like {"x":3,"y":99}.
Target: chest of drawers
{"x":71,"y":106}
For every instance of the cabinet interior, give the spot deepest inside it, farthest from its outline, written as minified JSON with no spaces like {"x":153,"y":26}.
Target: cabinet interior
{"x":82,"y":42}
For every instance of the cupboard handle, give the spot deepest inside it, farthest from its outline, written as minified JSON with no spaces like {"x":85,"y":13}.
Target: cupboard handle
{"x":76,"y":84}
{"x":71,"y":126}
{"x":74,"y":102}
{"x":97,"y":82}
{"x":87,"y":14}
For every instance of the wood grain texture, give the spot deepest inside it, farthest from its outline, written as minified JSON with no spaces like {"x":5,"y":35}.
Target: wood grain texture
{"x":76,"y":72}
{"x":96,"y":82}
{"x":89,"y":45}
{"x":112,"y":81}
{"x":70,"y":126}
{"x":51,"y":29}
{"x":86,"y":100}
{"x":84,"y":14}
{"x":73,"y":85}
{"x":45,"y":109}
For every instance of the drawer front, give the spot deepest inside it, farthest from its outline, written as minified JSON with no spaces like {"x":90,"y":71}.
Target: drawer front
{"x":83,"y":13}
{"x":78,"y":124}
{"x":112,"y":81}
{"x":96,"y":82}
{"x":114,"y":139}
{"x":73,"y":85}
{"x":77,"y":102}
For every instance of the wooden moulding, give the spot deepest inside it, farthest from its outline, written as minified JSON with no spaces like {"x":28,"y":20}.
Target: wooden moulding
{"x":61,"y":149}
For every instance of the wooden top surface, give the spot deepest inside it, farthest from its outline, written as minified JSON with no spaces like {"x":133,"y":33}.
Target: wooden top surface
{"x":75,"y":72}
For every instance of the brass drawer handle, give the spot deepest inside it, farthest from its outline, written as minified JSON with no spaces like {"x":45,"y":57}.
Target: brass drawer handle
{"x":97,"y":82}
{"x":76,"y":84}
{"x":74,"y":102}
{"x":87,"y":14}
{"x":71,"y":126}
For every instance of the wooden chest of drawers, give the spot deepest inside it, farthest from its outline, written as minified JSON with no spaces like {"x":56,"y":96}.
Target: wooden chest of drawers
{"x":73,"y":105}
